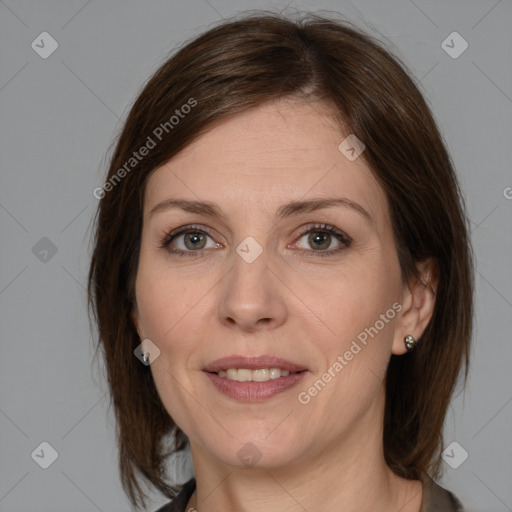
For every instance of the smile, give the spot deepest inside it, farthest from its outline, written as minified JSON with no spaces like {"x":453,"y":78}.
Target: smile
{"x":253,"y":390}
{"x":259,"y":375}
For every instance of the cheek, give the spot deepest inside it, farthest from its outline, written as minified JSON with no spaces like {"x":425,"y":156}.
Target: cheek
{"x":358,"y":298}
{"x":170,"y":310}
{"x":359,"y":310}
{"x":165,"y":299}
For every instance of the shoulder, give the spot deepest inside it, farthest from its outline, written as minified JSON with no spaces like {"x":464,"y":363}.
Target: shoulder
{"x":438,"y":499}
{"x":179,"y":503}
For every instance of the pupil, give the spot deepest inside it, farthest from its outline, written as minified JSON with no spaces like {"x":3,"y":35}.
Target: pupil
{"x":194,"y":237}
{"x":316,"y":238}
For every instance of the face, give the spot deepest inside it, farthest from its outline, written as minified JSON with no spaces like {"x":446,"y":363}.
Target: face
{"x":318,"y":287}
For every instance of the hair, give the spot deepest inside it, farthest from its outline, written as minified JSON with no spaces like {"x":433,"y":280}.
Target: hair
{"x":241,"y":64}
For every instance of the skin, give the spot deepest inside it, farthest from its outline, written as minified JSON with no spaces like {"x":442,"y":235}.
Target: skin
{"x":327,"y":454}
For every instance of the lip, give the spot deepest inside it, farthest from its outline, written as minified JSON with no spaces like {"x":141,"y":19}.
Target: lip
{"x":253,"y":363}
{"x":254,"y":391}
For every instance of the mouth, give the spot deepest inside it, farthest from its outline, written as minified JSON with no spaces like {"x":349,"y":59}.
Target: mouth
{"x":252,"y":379}
{"x":258,"y":375}
{"x":266,"y":367}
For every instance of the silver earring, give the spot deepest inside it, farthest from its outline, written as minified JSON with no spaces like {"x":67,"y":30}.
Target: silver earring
{"x":145,"y":357}
{"x":410,"y":342}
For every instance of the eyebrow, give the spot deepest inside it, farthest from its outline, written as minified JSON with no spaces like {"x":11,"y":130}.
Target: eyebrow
{"x":210,"y":209}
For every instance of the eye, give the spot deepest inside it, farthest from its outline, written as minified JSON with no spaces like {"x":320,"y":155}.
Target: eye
{"x":321,"y":237}
{"x":191,"y":240}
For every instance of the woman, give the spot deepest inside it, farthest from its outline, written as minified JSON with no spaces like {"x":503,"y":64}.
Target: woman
{"x":281,"y":275}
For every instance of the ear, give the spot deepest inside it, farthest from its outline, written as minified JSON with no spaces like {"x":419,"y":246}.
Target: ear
{"x":418,"y":301}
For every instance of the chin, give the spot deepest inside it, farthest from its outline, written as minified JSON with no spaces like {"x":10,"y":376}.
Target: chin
{"x":253,"y":455}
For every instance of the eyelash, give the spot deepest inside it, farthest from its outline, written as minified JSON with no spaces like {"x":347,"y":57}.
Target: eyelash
{"x":339,"y":235}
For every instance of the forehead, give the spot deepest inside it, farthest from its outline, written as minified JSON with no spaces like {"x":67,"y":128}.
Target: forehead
{"x":281,"y":151}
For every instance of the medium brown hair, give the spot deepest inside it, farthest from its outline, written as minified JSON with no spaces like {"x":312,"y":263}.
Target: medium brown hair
{"x":241,"y":64}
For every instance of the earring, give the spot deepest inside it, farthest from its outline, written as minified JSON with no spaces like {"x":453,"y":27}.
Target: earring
{"x":145,"y":357}
{"x":410,"y":342}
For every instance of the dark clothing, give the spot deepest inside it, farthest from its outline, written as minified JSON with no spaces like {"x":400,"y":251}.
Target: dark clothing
{"x":438,"y":499}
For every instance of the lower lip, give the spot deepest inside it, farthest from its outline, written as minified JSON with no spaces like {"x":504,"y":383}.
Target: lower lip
{"x":254,"y":391}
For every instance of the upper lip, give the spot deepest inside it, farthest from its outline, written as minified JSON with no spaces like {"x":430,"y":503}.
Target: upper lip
{"x":252,"y":363}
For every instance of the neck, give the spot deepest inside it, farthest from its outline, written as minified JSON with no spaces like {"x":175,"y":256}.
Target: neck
{"x":349,"y":475}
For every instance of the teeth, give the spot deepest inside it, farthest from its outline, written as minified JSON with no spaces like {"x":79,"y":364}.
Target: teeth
{"x":246,"y":375}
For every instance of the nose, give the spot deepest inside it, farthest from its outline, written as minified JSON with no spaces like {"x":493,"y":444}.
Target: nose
{"x":253,"y":296}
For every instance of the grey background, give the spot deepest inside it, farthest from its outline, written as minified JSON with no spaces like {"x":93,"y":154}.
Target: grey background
{"x":58,"y":117}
